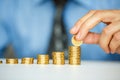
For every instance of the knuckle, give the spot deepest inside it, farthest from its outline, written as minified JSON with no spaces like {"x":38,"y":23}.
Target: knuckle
{"x":87,"y":26}
{"x":92,"y":11}
{"x":98,"y":12}
{"x":106,"y":31}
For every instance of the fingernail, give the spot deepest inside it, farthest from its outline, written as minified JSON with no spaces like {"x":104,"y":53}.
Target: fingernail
{"x":78,"y":37}
{"x":107,"y":52}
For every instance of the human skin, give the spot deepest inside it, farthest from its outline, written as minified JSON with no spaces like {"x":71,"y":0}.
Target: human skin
{"x":109,"y":38}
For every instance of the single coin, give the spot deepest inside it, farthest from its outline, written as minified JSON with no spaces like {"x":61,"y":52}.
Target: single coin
{"x":43,"y":56}
{"x":42,"y":62}
{"x":57,"y":53}
{"x":75,"y":42}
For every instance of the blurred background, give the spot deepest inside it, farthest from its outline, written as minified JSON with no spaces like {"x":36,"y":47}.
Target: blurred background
{"x":58,"y":40}
{"x":31,"y":27}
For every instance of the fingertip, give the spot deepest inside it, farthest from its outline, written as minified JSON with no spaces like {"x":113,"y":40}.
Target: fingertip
{"x":107,"y":51}
{"x":112,"y":52}
{"x":72,"y":31}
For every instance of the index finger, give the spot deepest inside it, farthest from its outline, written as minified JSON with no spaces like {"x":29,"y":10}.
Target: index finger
{"x":90,"y":23}
{"x":75,"y":29}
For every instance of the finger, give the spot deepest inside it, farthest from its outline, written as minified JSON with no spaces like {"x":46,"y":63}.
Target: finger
{"x":107,"y":34}
{"x":77,"y":25}
{"x":115,"y":42}
{"x":92,"y":38}
{"x":118,"y":50}
{"x":92,"y":21}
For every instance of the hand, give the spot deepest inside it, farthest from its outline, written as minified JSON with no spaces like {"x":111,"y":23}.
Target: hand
{"x":109,"y":39}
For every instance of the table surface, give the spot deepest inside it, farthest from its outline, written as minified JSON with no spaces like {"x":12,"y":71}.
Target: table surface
{"x":88,"y":70}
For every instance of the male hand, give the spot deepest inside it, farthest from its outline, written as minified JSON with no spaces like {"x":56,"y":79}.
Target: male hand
{"x":109,"y":39}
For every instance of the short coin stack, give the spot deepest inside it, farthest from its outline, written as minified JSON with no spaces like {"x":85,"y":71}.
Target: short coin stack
{"x":27,"y":61}
{"x":11,"y":61}
{"x":43,"y":59}
{"x":0,"y":62}
{"x":58,"y":58}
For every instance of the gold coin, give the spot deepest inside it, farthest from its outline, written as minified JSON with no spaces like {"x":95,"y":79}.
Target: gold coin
{"x":77,"y":55}
{"x":0,"y":62}
{"x":42,"y":62}
{"x":58,"y":58}
{"x":75,"y":42}
{"x":57,"y":53}
{"x":59,"y":62}
{"x":74,"y":63}
{"x":27,"y":61}
{"x":42,"y":56}
{"x":43,"y":59}
{"x":74,"y":60}
{"x":74,"y":53}
{"x":11,"y":61}
{"x":74,"y":47}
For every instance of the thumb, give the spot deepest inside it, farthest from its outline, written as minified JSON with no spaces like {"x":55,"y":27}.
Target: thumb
{"x":92,"y":38}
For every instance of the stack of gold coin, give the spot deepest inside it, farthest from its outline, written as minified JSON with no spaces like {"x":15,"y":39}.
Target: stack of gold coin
{"x":43,"y":59}
{"x":74,"y":55}
{"x":0,"y":62}
{"x":27,"y":61}
{"x":11,"y":61}
{"x":58,"y":58}
{"x":74,"y":52}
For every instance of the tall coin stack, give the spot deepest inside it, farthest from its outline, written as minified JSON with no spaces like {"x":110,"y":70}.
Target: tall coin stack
{"x":75,"y":52}
{"x":74,"y":55}
{"x":27,"y":61}
{"x":43,"y":59}
{"x":58,"y":58}
{"x":11,"y":61}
